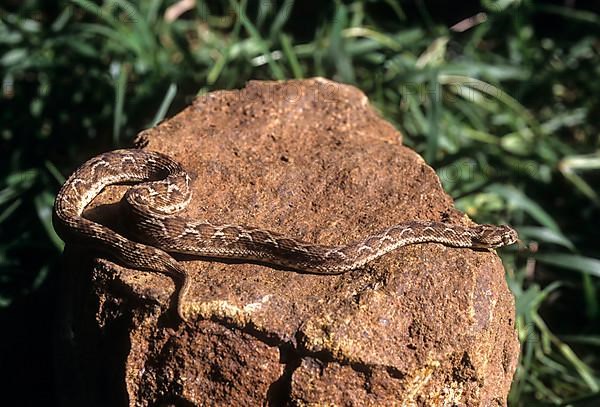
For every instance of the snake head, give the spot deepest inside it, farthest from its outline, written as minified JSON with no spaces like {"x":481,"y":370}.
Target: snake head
{"x":493,"y":236}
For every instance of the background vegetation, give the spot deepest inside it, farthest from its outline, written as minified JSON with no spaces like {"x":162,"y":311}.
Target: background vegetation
{"x":504,"y":105}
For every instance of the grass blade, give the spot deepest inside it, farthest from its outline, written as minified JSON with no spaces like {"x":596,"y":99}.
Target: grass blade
{"x":517,"y":199}
{"x":120,"y":86}
{"x":256,"y":37}
{"x":574,"y":262}
{"x":43,"y":204}
{"x":288,"y":51}
{"x":546,"y":235}
{"x":164,"y":106}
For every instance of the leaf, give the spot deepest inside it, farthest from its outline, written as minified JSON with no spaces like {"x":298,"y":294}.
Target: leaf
{"x":43,"y":204}
{"x":499,"y":5}
{"x":593,"y":340}
{"x":60,"y":179}
{"x":288,"y":51}
{"x":518,"y":199}
{"x":515,"y":143}
{"x":10,"y":209}
{"x":568,"y":167}
{"x":164,"y":106}
{"x":434,"y":55}
{"x":97,"y":11}
{"x":546,"y":235}
{"x":433,"y":115}
{"x":120,"y":85}
{"x":14,"y":56}
{"x":571,"y":13}
{"x":257,"y":38}
{"x":495,"y":93}
{"x":574,"y":262}
{"x":337,"y":50}
{"x":282,"y":16}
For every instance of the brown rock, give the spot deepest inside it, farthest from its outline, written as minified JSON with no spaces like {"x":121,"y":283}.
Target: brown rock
{"x":426,"y":325}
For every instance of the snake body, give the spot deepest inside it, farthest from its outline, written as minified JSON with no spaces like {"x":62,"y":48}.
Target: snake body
{"x":162,"y":190}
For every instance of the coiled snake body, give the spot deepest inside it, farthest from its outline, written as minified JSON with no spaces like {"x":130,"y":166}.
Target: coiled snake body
{"x":163,"y":190}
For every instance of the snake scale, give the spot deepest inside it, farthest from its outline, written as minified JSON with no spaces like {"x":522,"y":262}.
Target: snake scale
{"x":162,"y":189}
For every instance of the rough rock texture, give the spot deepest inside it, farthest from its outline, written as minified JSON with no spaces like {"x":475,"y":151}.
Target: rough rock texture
{"x":426,"y":325}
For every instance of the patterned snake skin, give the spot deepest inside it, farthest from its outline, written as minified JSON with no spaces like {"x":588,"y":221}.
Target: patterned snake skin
{"x":163,"y":189}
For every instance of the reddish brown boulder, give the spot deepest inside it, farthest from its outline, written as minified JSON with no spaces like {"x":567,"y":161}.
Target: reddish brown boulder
{"x":426,"y":325}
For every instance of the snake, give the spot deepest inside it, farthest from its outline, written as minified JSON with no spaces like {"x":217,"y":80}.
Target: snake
{"x":160,"y":189}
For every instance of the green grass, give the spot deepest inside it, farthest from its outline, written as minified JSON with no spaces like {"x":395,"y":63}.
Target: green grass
{"x":504,"y":111}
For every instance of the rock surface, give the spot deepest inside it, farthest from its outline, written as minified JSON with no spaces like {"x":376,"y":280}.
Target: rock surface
{"x":426,"y":325}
